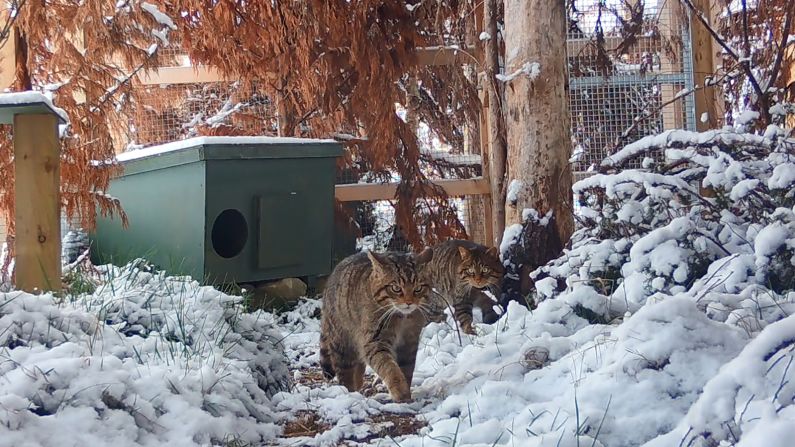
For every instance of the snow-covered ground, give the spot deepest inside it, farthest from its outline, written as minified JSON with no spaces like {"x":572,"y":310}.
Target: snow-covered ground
{"x":132,"y":365}
{"x":665,"y":373}
{"x":148,"y":360}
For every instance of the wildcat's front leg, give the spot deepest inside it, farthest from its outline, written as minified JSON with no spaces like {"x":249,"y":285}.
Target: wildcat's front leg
{"x":486,"y":305}
{"x":463,"y":315}
{"x":385,"y":365}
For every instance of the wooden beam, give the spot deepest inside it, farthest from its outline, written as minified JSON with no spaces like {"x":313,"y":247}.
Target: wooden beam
{"x":386,"y":191}
{"x":181,"y":75}
{"x":429,"y":56}
{"x":485,"y":156}
{"x":38,"y":203}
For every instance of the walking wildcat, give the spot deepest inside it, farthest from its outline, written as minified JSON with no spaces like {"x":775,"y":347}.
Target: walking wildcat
{"x":374,"y":308}
{"x":459,"y":271}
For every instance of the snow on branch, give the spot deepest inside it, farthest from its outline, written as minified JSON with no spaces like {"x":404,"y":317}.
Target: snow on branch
{"x":530,"y":69}
{"x":679,"y":138}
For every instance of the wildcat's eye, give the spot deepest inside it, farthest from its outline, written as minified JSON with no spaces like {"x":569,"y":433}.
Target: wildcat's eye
{"x":471,"y":270}
{"x":485,"y":270}
{"x":419,"y":289}
{"x":395,"y":288}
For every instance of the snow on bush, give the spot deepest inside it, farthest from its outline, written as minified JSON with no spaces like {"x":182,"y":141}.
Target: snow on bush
{"x":750,"y":401}
{"x":606,"y":385}
{"x":143,"y":360}
{"x":711,"y":213}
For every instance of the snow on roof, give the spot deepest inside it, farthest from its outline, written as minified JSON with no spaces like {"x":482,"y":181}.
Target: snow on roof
{"x":199,"y":141}
{"x":31,"y":97}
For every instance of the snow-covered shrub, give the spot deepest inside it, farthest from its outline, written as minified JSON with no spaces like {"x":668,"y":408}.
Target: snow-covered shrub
{"x":714,"y":214}
{"x":145,"y":359}
{"x":750,"y":401}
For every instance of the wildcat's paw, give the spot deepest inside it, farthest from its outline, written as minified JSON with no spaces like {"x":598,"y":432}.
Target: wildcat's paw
{"x":403,"y":398}
{"x":468,"y":329}
{"x":400,"y":394}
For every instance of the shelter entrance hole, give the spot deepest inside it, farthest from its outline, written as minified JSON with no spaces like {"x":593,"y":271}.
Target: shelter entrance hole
{"x":229,"y":233}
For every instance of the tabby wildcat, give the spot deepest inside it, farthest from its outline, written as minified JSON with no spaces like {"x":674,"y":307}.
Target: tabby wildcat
{"x":374,"y":309}
{"x":460,"y":271}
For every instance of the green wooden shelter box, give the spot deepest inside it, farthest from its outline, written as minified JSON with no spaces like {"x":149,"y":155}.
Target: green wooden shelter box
{"x":225,"y":209}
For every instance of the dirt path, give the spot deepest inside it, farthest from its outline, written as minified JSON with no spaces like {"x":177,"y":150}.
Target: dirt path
{"x":308,"y":427}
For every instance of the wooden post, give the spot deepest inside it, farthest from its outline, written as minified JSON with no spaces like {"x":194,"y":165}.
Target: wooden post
{"x":496,"y":125}
{"x":37,"y":202}
{"x":673,"y":113}
{"x":703,"y":67}
{"x":788,"y":73}
{"x":485,"y":164}
{"x":7,"y":62}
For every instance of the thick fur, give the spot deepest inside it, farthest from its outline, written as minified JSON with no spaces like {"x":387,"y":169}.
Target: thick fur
{"x":460,"y":271}
{"x":374,"y":309}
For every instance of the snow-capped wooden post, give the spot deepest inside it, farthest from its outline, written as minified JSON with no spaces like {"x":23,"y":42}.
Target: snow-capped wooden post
{"x":37,"y":196}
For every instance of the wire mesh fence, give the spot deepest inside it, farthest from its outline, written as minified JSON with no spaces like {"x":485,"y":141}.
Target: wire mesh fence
{"x":166,"y":113}
{"x":629,"y":63}
{"x":3,"y":229}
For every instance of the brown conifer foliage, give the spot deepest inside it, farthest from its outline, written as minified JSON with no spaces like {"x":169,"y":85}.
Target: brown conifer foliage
{"x":338,"y":64}
{"x":329,"y":66}
{"x":87,"y":55}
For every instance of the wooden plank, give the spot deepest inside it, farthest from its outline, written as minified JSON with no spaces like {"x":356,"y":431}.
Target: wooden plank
{"x":495,"y":123}
{"x":38,"y":203}
{"x":430,"y":56}
{"x":386,"y":191}
{"x":181,"y":75}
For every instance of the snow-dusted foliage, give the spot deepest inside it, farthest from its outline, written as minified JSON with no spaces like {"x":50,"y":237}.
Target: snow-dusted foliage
{"x":710,"y":215}
{"x":143,"y":360}
{"x":708,"y":224}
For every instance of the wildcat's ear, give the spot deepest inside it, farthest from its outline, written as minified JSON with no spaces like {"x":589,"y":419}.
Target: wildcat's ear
{"x":465,"y":254}
{"x":376,"y":260}
{"x":492,"y":251}
{"x":424,"y":257}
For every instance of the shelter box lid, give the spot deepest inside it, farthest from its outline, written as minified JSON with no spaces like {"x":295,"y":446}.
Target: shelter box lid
{"x":27,"y":103}
{"x":225,"y":148}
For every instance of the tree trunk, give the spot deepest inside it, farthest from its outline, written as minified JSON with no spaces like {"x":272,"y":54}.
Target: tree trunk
{"x":496,"y":122}
{"x":22,"y":73}
{"x":539,"y":144}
